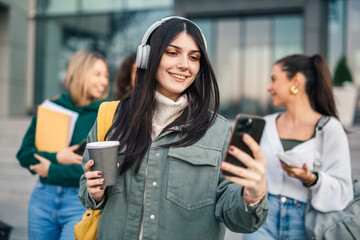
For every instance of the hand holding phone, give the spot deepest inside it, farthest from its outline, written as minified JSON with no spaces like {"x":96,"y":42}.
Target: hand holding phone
{"x":81,"y":148}
{"x":249,"y":124}
{"x":285,"y":160}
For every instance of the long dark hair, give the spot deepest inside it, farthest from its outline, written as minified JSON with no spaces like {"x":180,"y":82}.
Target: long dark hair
{"x":318,"y":84}
{"x":123,"y":79}
{"x":133,"y":120}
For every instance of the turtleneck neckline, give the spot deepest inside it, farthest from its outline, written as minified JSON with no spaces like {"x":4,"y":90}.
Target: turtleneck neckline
{"x":166,"y":111}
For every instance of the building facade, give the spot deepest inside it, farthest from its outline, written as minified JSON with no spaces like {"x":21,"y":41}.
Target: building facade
{"x":245,"y":38}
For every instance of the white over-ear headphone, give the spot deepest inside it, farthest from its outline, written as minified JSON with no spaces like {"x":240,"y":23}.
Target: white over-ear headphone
{"x":143,"y":50}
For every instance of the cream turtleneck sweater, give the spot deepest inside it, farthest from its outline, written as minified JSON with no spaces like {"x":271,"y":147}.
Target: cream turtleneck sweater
{"x":166,"y":111}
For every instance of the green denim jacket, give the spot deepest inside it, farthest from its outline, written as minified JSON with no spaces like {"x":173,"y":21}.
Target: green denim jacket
{"x":178,"y":193}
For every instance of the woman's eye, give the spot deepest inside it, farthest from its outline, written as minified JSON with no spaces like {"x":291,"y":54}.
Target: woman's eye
{"x":194,"y":58}
{"x":170,"y":53}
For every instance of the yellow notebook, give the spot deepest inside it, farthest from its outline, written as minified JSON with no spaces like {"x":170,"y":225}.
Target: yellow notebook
{"x":52,"y":130}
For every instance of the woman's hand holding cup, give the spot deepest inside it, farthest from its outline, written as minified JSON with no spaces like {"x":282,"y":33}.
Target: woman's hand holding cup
{"x":94,"y":182}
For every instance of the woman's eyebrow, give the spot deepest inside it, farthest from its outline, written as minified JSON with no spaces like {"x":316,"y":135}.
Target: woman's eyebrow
{"x":177,"y":47}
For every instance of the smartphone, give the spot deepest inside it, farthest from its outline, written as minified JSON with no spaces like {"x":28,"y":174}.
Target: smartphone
{"x":81,"y":148}
{"x":285,"y":160}
{"x":244,"y":123}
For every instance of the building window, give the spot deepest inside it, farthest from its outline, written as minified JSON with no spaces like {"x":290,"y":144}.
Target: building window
{"x":243,"y":50}
{"x":113,"y":28}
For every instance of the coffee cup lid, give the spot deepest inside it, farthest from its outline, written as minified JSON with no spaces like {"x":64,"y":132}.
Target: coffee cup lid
{"x":104,"y":144}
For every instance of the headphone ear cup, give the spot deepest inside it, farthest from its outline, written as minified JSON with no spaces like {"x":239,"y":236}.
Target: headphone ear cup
{"x":142,"y":56}
{"x":139,"y":56}
{"x":146,"y":56}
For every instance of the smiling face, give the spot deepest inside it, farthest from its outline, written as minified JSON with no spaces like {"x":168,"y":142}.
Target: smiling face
{"x":279,"y":87}
{"x":98,"y":80}
{"x":179,"y":66}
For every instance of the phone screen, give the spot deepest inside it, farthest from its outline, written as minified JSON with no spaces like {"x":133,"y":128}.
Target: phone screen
{"x":244,"y":123}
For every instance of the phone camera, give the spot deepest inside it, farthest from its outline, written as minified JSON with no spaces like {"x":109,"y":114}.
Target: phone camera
{"x":244,"y":125}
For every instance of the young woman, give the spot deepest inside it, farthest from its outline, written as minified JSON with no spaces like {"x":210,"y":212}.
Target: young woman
{"x":125,"y":79}
{"x":172,"y":143}
{"x":54,"y":208}
{"x":303,"y":85}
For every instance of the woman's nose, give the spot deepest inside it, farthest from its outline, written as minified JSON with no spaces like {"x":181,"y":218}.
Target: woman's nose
{"x":183,"y":62}
{"x":105,"y":80}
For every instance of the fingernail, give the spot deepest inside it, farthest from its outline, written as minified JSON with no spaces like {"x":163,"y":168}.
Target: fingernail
{"x":231,"y":148}
{"x":102,"y":188}
{"x":101,"y":180}
{"x":99,"y":173}
{"x":223,"y":164}
{"x":246,"y":136}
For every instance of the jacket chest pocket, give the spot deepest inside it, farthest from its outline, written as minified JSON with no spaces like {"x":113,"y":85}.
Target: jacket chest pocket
{"x":193,"y":176}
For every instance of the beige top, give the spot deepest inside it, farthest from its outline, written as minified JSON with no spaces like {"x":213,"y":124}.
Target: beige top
{"x":166,"y":111}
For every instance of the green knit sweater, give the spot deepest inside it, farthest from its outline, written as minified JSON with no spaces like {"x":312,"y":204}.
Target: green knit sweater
{"x":68,"y":174}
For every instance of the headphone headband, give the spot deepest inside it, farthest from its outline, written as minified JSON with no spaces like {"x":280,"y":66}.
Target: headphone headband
{"x":143,"y":50}
{"x":161,"y":21}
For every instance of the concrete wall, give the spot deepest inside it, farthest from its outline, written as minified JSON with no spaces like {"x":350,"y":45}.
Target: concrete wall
{"x":13,"y":57}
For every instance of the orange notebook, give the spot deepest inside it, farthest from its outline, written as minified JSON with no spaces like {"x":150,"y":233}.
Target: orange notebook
{"x":52,"y":130}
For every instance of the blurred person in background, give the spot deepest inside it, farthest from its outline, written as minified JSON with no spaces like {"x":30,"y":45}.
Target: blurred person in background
{"x":125,"y":79}
{"x":303,"y":86}
{"x":172,"y":145}
{"x":54,"y":207}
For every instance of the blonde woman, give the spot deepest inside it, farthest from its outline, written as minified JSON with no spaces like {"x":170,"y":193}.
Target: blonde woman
{"x":54,"y":208}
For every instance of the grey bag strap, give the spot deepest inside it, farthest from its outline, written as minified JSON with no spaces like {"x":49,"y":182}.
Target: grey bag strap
{"x":319,"y":135}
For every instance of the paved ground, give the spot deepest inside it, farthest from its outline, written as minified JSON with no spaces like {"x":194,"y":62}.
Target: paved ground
{"x":17,"y":183}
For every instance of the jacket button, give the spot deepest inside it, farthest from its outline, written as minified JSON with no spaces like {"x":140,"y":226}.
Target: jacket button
{"x":154,"y":184}
{"x":152,"y":216}
{"x":133,"y":213}
{"x":283,"y":199}
{"x":137,"y":178}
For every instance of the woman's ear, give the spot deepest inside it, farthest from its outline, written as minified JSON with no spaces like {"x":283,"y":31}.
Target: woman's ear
{"x":299,"y":80}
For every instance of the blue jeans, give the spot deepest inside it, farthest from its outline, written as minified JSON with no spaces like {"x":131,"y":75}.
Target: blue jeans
{"x":53,"y":212}
{"x":285,"y":220}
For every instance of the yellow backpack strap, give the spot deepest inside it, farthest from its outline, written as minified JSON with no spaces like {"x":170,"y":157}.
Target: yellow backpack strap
{"x":105,"y":118}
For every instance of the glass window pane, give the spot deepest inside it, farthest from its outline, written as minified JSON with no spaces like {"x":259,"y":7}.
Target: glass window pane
{"x":227,"y":63}
{"x":52,"y":7}
{"x":207,"y":27}
{"x":336,"y":32}
{"x":287,"y":36}
{"x":117,"y":5}
{"x":114,"y":35}
{"x":257,"y":64}
{"x":353,"y":39}
{"x":146,"y":4}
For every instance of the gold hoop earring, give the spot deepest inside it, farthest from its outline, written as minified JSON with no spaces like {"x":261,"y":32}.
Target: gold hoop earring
{"x":294,"y":90}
